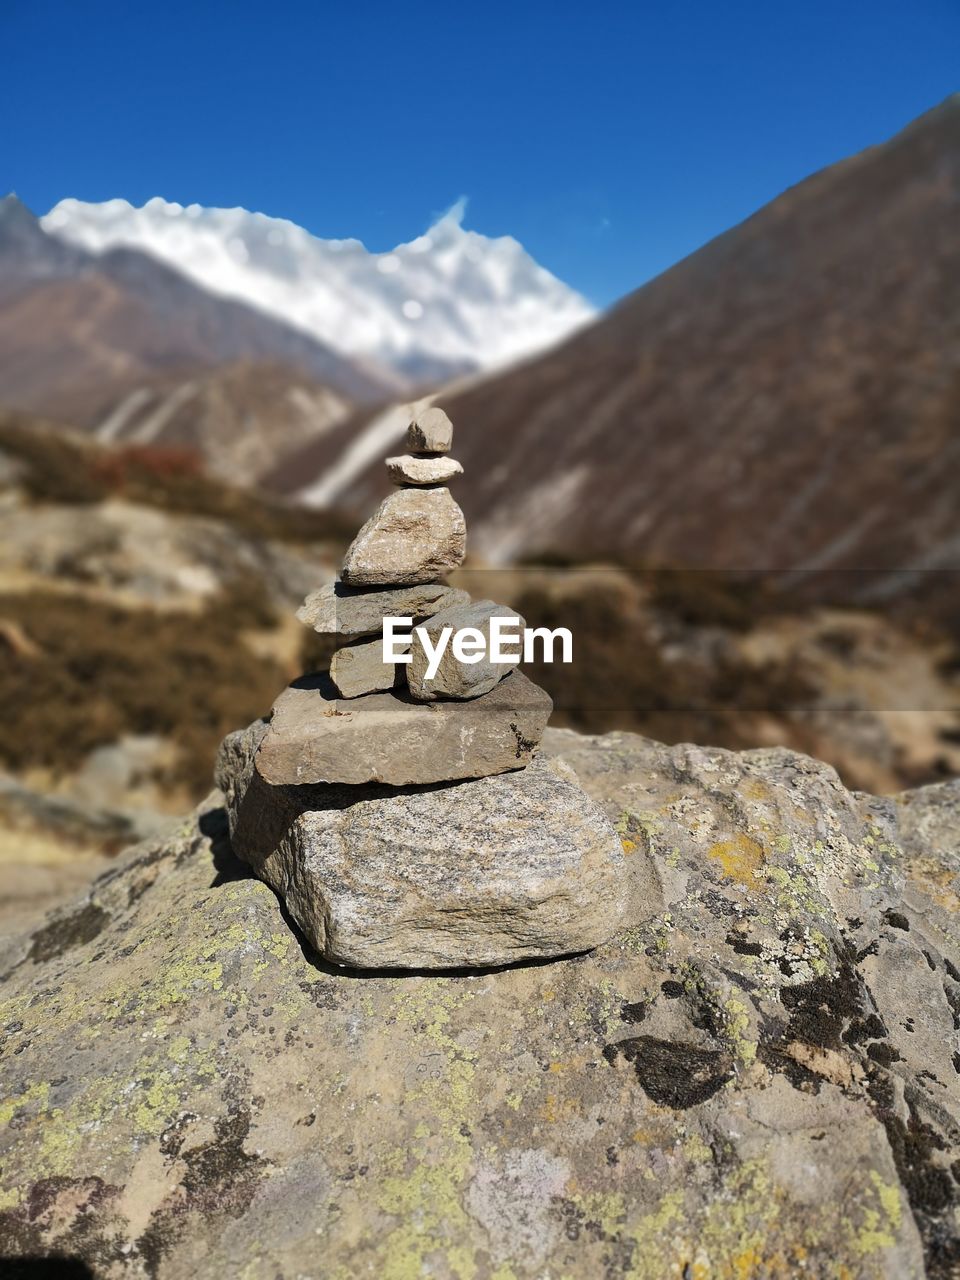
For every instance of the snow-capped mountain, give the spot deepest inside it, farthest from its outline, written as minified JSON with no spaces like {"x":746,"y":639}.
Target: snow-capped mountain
{"x":450,"y":301}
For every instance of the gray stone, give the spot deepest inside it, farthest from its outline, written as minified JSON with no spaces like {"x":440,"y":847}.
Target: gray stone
{"x":430,"y":432}
{"x":455,"y":679}
{"x":339,"y":610}
{"x":357,"y":669}
{"x":415,"y":535}
{"x":182,"y":1080}
{"x":387,"y":737}
{"x":409,"y":469}
{"x":471,"y":874}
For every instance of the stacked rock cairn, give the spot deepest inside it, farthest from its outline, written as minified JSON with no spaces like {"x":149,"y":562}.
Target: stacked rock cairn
{"x":409,"y":822}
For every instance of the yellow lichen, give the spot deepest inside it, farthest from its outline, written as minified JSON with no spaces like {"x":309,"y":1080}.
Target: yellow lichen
{"x":608,"y":1208}
{"x":646,"y":1235}
{"x":737,"y":1025}
{"x":880,"y":1225}
{"x":426,"y":1199}
{"x":741,"y":859}
{"x":33,"y":1093}
{"x":9,"y":1199}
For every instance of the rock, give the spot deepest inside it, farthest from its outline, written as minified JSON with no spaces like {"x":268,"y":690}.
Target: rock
{"x":339,"y":610}
{"x":430,"y":432}
{"x":126,"y":776}
{"x":455,"y":679}
{"x":359,"y":668}
{"x":471,"y":874}
{"x":408,"y":469}
{"x":51,"y":848}
{"x":387,"y":737}
{"x":754,"y":1077}
{"x":145,"y":556}
{"x":65,"y":819}
{"x":414,"y":536}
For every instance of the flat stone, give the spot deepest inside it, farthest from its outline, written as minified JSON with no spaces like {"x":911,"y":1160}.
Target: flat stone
{"x":357,"y":669}
{"x":430,"y":432}
{"x":415,"y":535}
{"x":407,"y":468}
{"x":479,"y":873}
{"x":314,"y":736}
{"x":454,"y":679}
{"x":339,"y":610}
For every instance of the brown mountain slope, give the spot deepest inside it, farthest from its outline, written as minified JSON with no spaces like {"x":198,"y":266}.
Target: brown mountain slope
{"x":237,"y":417}
{"x":78,"y":330}
{"x":788,"y":396}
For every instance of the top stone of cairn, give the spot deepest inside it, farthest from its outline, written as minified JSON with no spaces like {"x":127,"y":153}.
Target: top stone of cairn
{"x":431,"y":431}
{"x":418,"y":533}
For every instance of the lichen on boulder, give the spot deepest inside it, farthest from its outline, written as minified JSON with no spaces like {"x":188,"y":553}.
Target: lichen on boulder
{"x":754,"y":1077}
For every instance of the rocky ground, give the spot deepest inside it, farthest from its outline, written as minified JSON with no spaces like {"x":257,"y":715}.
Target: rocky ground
{"x":757,"y":1077}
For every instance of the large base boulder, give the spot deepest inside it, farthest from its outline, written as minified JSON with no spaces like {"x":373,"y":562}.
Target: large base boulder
{"x":753,"y":1078}
{"x":473,"y":874}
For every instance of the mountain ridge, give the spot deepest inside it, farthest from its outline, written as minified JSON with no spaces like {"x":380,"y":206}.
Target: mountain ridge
{"x":447,"y":302}
{"x":223,"y":329}
{"x":81,"y":334}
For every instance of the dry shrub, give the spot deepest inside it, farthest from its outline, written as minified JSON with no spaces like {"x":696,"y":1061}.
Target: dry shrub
{"x":96,"y":672}
{"x":66,"y":468}
{"x":712,"y":598}
{"x":619,"y":678}
{"x":141,"y":462}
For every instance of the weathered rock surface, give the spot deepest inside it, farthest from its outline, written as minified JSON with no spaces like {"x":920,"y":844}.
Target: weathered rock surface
{"x":454,"y":679}
{"x":144,"y":556}
{"x":753,"y":1079}
{"x":357,"y":669}
{"x":406,"y":468}
{"x":339,"y":610}
{"x":430,"y":432}
{"x":517,"y":866}
{"x":414,"y":536}
{"x":388,"y":737}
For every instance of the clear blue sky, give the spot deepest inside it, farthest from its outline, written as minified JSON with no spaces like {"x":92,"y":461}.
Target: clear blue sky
{"x":611,"y":139}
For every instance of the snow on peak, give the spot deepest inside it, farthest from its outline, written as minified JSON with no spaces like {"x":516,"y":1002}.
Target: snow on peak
{"x":450,"y":300}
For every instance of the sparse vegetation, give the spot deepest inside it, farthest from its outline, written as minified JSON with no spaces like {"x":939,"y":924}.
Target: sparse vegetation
{"x":711,"y":598}
{"x":59,"y":467}
{"x":622,"y":679}
{"x":92,"y":672}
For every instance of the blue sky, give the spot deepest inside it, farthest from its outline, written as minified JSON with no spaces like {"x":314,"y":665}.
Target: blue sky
{"x":611,"y":139}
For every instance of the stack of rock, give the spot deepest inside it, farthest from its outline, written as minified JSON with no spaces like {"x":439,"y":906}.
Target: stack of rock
{"x":336,"y":805}
{"x":395,"y":568}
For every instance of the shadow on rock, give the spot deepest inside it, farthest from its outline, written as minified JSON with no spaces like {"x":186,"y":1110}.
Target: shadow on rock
{"x":213,"y":824}
{"x":51,"y":1268}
